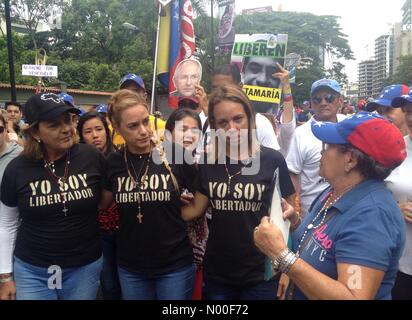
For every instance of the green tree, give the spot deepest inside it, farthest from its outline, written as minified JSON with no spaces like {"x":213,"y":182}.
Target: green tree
{"x":31,"y":12}
{"x":403,"y":73}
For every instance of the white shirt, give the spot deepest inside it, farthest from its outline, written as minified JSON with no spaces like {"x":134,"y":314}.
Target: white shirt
{"x":303,"y":159}
{"x":400,"y":183}
{"x":265,"y":133}
{"x":286,"y":131}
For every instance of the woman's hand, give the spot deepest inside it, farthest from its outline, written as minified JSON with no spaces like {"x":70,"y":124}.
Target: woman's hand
{"x":282,"y":286}
{"x":201,"y":96}
{"x":8,"y":291}
{"x":186,"y":198}
{"x":289,"y":212}
{"x":406,"y":209}
{"x":282,"y":75}
{"x":269,"y":239}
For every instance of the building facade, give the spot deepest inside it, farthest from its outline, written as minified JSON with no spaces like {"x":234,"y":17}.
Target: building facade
{"x":365,"y":78}
{"x":383,"y":63}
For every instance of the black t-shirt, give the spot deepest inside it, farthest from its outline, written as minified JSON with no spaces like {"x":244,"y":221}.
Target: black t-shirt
{"x":159,"y":244}
{"x":231,"y":255}
{"x":46,"y":235}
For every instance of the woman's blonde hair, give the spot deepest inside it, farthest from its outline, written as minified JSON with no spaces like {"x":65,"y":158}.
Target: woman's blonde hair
{"x":233,"y":93}
{"x":124,"y":99}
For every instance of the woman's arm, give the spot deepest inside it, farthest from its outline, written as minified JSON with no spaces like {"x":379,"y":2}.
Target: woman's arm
{"x":195,"y":208}
{"x":9,"y":224}
{"x":354,"y":281}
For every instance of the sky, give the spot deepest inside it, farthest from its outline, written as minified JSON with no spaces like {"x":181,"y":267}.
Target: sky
{"x":362,"y":20}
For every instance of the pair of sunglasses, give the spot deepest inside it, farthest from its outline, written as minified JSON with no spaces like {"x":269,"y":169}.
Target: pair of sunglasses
{"x":329,"y":98}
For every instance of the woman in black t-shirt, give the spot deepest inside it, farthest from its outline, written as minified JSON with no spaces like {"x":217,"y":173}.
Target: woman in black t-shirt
{"x":155,"y":258}
{"x":236,"y":182}
{"x":94,"y":130}
{"x":49,"y":198}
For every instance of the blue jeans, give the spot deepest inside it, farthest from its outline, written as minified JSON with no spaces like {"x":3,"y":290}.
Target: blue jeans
{"x":177,"y":285}
{"x":40,"y":283}
{"x":109,"y":279}
{"x":265,"y":290}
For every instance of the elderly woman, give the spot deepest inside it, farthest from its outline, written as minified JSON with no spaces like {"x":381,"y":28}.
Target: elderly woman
{"x":49,"y":238}
{"x":349,"y":245}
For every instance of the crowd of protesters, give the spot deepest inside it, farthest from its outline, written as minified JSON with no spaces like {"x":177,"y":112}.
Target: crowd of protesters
{"x":147,"y":209}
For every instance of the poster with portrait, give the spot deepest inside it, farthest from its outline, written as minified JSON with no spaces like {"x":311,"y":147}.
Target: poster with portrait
{"x":226,"y":30}
{"x":256,"y":56}
{"x":186,"y":77}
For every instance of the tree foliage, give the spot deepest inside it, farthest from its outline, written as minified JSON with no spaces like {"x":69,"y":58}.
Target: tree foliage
{"x":403,"y":73}
{"x":93,"y":49}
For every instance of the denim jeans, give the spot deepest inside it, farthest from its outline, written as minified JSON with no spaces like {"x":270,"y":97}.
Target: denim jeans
{"x":265,"y":290}
{"x":53,"y":283}
{"x":176,"y":285}
{"x":109,"y":279}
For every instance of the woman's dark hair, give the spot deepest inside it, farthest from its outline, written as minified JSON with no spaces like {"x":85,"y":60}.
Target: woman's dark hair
{"x":367,"y":166}
{"x":179,"y":115}
{"x":91,"y":115}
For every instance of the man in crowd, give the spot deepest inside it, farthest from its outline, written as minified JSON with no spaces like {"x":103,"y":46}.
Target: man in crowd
{"x":135,"y":83}
{"x":304,"y":155}
{"x":305,"y":115}
{"x":15,"y":123}
{"x":383,"y":106}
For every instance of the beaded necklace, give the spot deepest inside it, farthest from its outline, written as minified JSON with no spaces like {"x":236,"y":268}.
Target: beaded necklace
{"x":326,"y":206}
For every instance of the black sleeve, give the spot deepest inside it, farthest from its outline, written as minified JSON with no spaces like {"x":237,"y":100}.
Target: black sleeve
{"x":8,"y":191}
{"x":189,"y":176}
{"x":107,"y":166}
{"x":201,"y":180}
{"x":285,"y":183}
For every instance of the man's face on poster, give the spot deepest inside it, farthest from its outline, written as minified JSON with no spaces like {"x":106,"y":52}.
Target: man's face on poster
{"x":187,"y":76}
{"x":258,"y":72}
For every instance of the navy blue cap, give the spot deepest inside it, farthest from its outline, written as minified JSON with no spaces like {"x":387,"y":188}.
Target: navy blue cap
{"x":67,"y":98}
{"x":401,"y":101}
{"x":134,"y":78}
{"x":387,"y":95}
{"x":102,"y":108}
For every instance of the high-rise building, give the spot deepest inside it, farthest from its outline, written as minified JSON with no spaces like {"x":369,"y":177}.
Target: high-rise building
{"x":383,"y":63}
{"x":402,"y":43}
{"x":365,"y":78}
{"x":407,"y":15}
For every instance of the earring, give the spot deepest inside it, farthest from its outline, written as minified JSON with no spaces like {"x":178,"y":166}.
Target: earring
{"x":39,"y":141}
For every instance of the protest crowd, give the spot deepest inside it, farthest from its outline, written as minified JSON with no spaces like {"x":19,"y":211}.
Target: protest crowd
{"x":227,"y":199}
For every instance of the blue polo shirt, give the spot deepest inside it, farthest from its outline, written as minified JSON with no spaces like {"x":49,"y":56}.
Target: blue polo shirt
{"x":366,"y":229}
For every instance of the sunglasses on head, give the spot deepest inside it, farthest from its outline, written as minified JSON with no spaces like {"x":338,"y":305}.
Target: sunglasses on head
{"x":329,"y":98}
{"x":2,"y":129}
